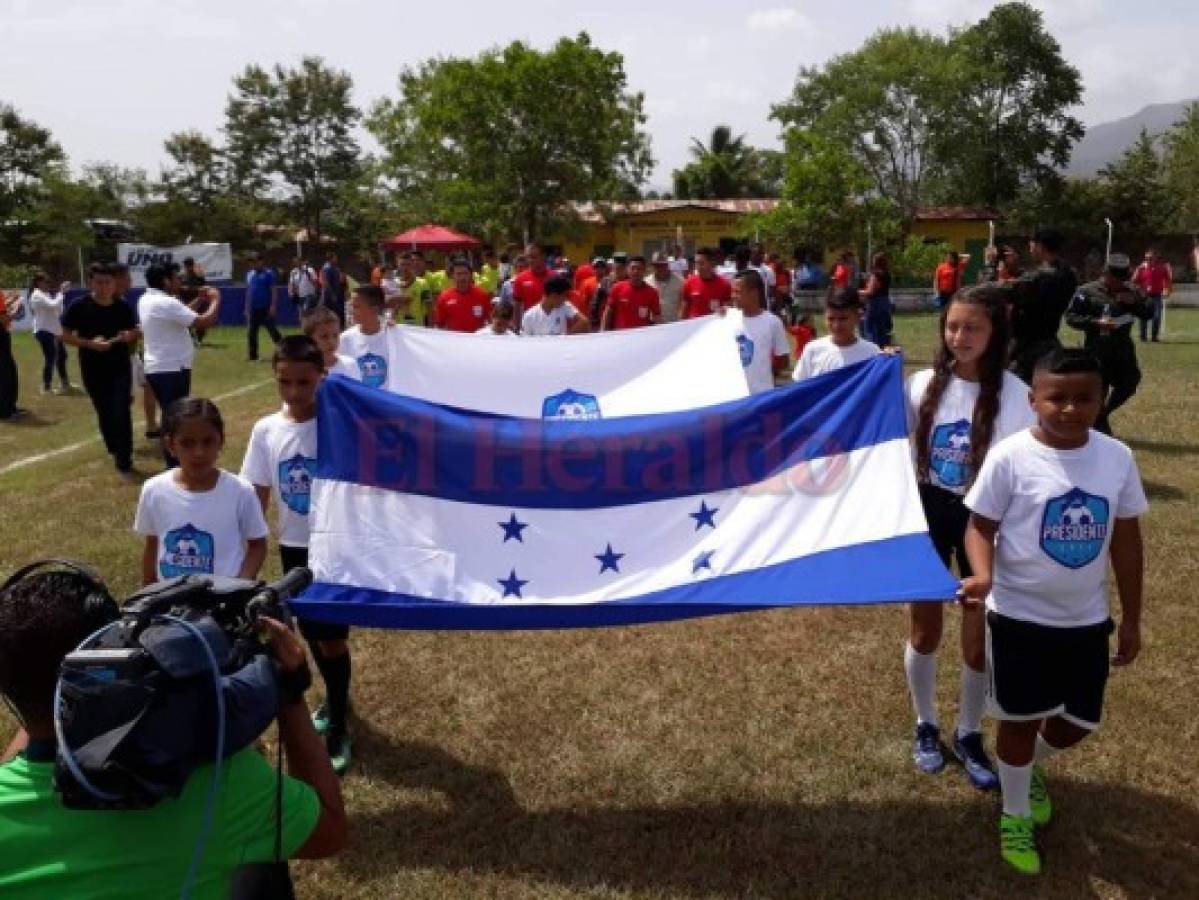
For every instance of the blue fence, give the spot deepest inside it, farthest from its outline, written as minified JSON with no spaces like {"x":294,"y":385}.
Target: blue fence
{"x":233,"y":304}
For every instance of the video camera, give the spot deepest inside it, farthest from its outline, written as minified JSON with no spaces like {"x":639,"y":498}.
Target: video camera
{"x":180,"y":678}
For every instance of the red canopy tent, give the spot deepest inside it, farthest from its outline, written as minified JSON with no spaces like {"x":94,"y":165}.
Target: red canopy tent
{"x":431,"y":237}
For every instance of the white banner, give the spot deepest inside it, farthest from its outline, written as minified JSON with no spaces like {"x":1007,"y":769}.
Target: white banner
{"x":662,"y":368}
{"x":214,"y":260}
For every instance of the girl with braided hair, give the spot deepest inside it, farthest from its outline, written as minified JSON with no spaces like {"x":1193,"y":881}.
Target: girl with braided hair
{"x":957,"y":410}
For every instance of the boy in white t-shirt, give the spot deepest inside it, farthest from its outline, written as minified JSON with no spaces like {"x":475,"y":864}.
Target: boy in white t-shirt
{"x":762,"y":339}
{"x":555,"y":314}
{"x":280,"y":462}
{"x":323,"y":326}
{"x":502,"y":314}
{"x":842,"y":346}
{"x":366,"y":342}
{"x":1050,"y":507}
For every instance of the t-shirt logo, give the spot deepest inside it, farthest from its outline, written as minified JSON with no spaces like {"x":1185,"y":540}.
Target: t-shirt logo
{"x":295,"y":482}
{"x":1074,"y":528}
{"x":745,"y":347}
{"x":186,"y":551}
{"x":950,"y":457}
{"x":571,"y":404}
{"x":373,"y":368}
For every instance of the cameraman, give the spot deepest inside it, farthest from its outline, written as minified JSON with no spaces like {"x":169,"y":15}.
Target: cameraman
{"x":52,"y":851}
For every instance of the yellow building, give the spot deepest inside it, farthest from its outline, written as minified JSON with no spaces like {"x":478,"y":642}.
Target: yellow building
{"x":650,"y":225}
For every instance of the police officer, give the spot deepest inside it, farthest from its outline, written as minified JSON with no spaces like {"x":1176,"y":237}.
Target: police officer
{"x":1038,"y":299}
{"x":1104,"y":310}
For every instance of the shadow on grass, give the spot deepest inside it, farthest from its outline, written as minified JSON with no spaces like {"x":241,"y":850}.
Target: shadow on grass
{"x":1155,"y":490}
{"x":1166,"y":448}
{"x":1106,"y":835}
{"x":26,"y":420}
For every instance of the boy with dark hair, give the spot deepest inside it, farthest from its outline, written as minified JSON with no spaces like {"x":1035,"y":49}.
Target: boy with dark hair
{"x":324,"y":328}
{"x":281,"y":462}
{"x":841,"y":346}
{"x":103,"y":329}
{"x":1039,"y":299}
{"x":1051,"y":505}
{"x":366,"y":341}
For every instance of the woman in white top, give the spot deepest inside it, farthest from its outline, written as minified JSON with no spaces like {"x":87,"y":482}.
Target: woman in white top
{"x":47,"y":328}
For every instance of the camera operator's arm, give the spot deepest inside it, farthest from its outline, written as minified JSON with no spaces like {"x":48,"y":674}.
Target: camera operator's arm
{"x":307,"y":758}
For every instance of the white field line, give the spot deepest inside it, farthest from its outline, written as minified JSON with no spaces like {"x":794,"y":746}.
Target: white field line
{"x":71,"y":448}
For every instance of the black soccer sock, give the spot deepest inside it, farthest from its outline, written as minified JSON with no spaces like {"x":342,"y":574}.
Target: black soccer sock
{"x":336,"y":672}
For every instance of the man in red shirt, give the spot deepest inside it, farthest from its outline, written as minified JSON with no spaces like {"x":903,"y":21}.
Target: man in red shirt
{"x":1154,"y":277}
{"x":632,"y":303}
{"x":705,"y":292}
{"x":529,"y":286}
{"x":464,"y":307}
{"x":582,"y":274}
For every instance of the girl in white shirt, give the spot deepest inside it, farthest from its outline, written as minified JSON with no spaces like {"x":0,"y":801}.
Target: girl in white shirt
{"x":47,"y":328}
{"x":198,"y":519}
{"x":966,"y":403}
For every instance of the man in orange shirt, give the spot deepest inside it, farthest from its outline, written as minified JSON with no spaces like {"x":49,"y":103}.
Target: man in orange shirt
{"x":632,"y":303}
{"x":593,"y":288}
{"x":529,"y":286}
{"x":705,"y":292}
{"x":843,"y":273}
{"x":1154,"y":277}
{"x":465,"y":307}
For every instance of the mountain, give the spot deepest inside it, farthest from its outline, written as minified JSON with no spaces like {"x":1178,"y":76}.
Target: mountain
{"x":1106,"y":142}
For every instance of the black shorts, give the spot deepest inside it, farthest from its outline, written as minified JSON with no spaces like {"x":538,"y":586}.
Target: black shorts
{"x":1036,"y":671}
{"x":947,"y":518}
{"x":294,"y":558}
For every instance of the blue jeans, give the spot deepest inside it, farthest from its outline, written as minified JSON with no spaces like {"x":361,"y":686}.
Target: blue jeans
{"x":169,"y":387}
{"x":1156,"y":303}
{"x":54,"y":355}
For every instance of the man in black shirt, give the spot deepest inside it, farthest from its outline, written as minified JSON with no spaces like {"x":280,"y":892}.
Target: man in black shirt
{"x":104,"y":330}
{"x":1039,"y":299}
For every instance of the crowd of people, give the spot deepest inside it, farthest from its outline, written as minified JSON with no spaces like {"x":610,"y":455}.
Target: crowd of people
{"x":1018,"y":489}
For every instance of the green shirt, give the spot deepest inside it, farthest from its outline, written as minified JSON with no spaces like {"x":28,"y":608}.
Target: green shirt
{"x":437,"y":280}
{"x":488,"y":278}
{"x":48,"y":851}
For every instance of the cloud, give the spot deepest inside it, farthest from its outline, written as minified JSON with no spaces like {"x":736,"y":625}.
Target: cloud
{"x":775,"y":18}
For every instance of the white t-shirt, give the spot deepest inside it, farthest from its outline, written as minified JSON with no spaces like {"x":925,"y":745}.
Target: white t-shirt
{"x":199,"y":533}
{"x":760,"y":338}
{"x":822,"y":355}
{"x":369,"y":352}
{"x":487,"y":329}
{"x":949,"y":461}
{"x":536,"y":322}
{"x":164,"y":321}
{"x":345,"y":365}
{"x":47,"y":311}
{"x":281,"y":455}
{"x":1056,"y":510}
{"x":670,"y":292}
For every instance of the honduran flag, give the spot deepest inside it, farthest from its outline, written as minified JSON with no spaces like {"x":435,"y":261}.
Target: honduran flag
{"x":434,"y":517}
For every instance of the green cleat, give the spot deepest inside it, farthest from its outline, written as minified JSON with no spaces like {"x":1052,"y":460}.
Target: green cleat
{"x":320,"y":718}
{"x":1018,"y":845}
{"x":338,"y":746}
{"x":1038,"y":798}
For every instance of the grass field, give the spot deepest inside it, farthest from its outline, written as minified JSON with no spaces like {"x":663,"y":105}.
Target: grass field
{"x":760,"y":755}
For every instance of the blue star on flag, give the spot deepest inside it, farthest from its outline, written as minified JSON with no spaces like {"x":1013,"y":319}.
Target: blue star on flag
{"x":703,"y":561}
{"x":705,"y":516}
{"x":512,"y":585}
{"x":513,"y":528}
{"x":608,"y":560}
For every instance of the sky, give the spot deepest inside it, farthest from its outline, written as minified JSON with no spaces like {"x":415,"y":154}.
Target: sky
{"x":113,"y":78}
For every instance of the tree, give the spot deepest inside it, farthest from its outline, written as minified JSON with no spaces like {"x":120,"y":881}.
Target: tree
{"x":29,"y":156}
{"x":1009,"y":125}
{"x":504,"y":143}
{"x":728,"y":167}
{"x":1182,"y":169}
{"x":888,"y":104}
{"x":197,"y":173}
{"x":119,"y":189}
{"x":292,"y":129}
{"x":1138,"y":201}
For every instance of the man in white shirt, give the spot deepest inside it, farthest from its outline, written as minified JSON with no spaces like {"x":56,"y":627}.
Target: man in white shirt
{"x":302,"y":286}
{"x":762,"y":339}
{"x":168,"y":347}
{"x":555,"y":314}
{"x":842,"y":347}
{"x":669,"y":285}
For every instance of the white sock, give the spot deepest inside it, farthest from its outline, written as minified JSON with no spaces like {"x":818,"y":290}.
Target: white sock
{"x":921,"y":669}
{"x":1015,"y":781}
{"x":1044,"y":750}
{"x":974,"y":696}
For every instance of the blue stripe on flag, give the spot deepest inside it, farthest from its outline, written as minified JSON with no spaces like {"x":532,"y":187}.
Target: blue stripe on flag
{"x":893,"y":570}
{"x":384,"y":440}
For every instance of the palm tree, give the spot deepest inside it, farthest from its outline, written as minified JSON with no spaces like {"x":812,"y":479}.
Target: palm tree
{"x":721,"y":168}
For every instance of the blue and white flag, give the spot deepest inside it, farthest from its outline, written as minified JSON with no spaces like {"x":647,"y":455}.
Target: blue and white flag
{"x":430,"y":516}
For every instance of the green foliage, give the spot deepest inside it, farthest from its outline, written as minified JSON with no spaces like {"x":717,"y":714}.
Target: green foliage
{"x":292,"y":129}
{"x":728,"y":167}
{"x":1138,"y":201}
{"x":504,"y":142}
{"x":198,"y":170}
{"x":28,"y":157}
{"x":914,"y":261}
{"x":16,"y":275}
{"x":1182,"y":169}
